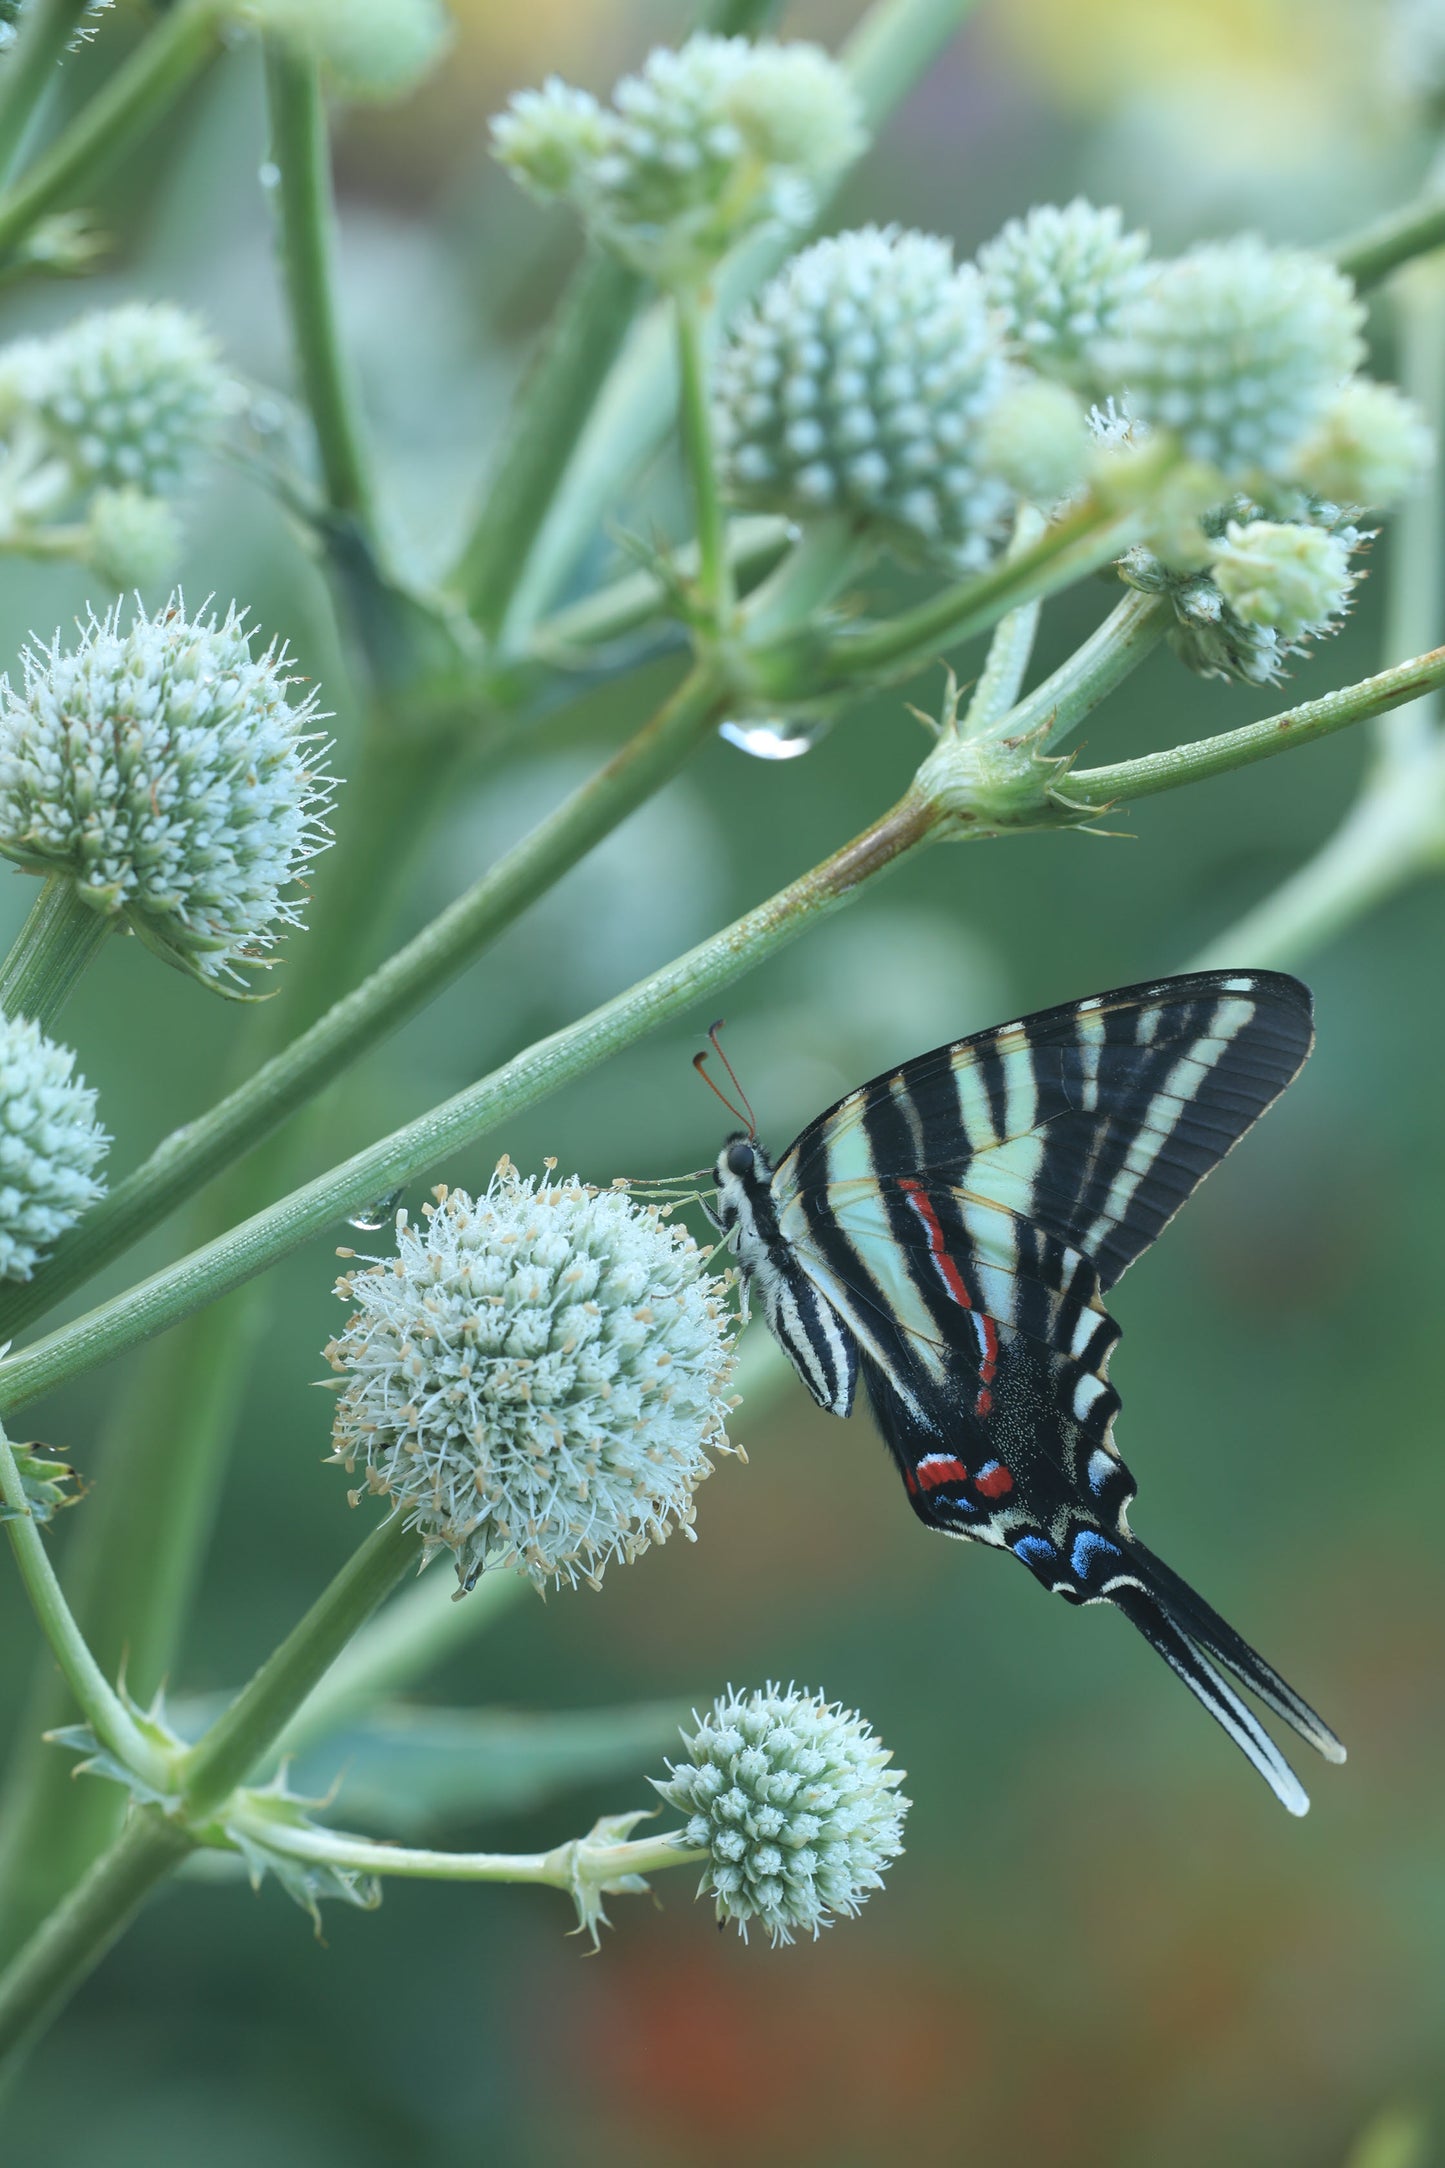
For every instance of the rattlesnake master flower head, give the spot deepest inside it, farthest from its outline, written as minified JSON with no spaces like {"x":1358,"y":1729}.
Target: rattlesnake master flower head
{"x":793,"y":1801}
{"x":1036,"y":439}
{"x":1237,"y":349}
{"x":1060,"y":279}
{"x":132,"y":540}
{"x":1292,"y":578}
{"x":126,"y":398}
{"x":537,"y":1378}
{"x":858,"y":383}
{"x":1373,"y":446}
{"x":368,"y":50}
{"x":705,"y":144}
{"x":164,"y":769}
{"x":50,"y":1146}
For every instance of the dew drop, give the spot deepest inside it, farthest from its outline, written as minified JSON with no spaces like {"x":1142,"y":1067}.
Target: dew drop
{"x":772,"y":737}
{"x":269,"y":175}
{"x":370,"y":1217}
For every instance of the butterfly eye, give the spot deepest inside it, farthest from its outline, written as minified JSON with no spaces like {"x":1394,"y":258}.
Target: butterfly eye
{"x":740,"y":1159}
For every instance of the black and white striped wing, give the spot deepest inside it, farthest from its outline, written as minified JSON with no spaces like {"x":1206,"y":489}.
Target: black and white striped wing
{"x":1068,"y":1138}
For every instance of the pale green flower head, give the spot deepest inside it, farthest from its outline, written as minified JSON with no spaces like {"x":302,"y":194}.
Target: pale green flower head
{"x":1294,"y":579}
{"x":793,"y":1801}
{"x":367,"y":50}
{"x":703,"y":146}
{"x":537,"y":1378}
{"x":1238,"y":350}
{"x":859,"y":383}
{"x":1373,"y":446}
{"x":50,"y":1146}
{"x":165,"y":771}
{"x":132,"y":540}
{"x":1060,"y":279}
{"x":125,"y":397}
{"x":1037,"y":440}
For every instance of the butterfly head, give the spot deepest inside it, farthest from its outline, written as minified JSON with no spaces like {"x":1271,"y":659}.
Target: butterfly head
{"x":743,"y":1172}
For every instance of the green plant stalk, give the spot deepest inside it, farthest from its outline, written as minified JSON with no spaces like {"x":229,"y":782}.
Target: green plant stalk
{"x":1372,"y":252}
{"x":60,"y":936}
{"x":300,"y":151}
{"x":143,"y":87}
{"x":1415,"y":565}
{"x":45,"y":31}
{"x":891,"y":48}
{"x":1011,"y":648}
{"x":829,"y":550}
{"x":1110,"y":654}
{"x":1127,"y":780}
{"x":226,"y":1754}
{"x":695,"y":431}
{"x":69,"y":1945}
{"x":557,"y":1869}
{"x":1080,"y":543}
{"x":192,"y":1155}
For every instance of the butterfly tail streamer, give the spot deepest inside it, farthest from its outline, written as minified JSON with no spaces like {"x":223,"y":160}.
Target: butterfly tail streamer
{"x":1190,"y":1663}
{"x":1204,"y":1626}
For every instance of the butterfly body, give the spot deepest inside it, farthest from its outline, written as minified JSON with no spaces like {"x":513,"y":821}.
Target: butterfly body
{"x":949,"y":1232}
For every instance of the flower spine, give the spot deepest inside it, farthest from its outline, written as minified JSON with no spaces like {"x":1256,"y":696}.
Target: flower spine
{"x":537,"y":1378}
{"x":163,"y":769}
{"x":50,"y":1146}
{"x":858,"y":384}
{"x":793,"y":1801}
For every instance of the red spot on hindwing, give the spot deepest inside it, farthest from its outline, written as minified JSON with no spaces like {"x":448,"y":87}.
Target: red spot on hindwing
{"x":993,"y":1480}
{"x":937,"y":1468}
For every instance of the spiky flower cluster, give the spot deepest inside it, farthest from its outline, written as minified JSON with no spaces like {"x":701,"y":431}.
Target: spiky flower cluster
{"x":537,"y":1377}
{"x":1237,"y":349}
{"x":858,"y":383}
{"x":1373,"y":446}
{"x":1270,"y":588}
{"x":50,"y":1146}
{"x":162,"y":768}
{"x":367,"y":49}
{"x":793,"y":1801}
{"x":1060,"y":279}
{"x":704,"y":145}
{"x":122,"y":397}
{"x":1036,"y":438}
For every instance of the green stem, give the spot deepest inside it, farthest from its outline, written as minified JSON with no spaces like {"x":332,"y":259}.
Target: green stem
{"x":695,"y":427}
{"x":106,"y":1714}
{"x":226,"y":1754}
{"x":68,"y":1946}
{"x":1153,"y":772}
{"x":300,"y":151}
{"x":46,"y":29}
{"x":1372,"y":252}
{"x":754,"y":546}
{"x":540,"y":434}
{"x":1109,"y":655}
{"x":1009,"y":651}
{"x":828,"y":551}
{"x":192,"y":1155}
{"x":1414,"y":609}
{"x":557,"y":1869}
{"x":60,"y":936}
{"x":143,"y":87}
{"x":885,"y":56}
{"x":1081,"y":542}
{"x":218,"y":1266}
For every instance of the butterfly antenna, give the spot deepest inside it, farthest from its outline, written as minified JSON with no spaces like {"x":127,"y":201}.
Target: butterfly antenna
{"x":744,"y":1112}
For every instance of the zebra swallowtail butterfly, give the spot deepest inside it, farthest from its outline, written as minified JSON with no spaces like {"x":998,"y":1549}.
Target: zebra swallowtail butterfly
{"x":950,"y":1231}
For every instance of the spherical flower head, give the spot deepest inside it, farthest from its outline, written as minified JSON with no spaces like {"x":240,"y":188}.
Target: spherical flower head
{"x":1036,"y":439}
{"x":1291,"y":578}
{"x":126,"y":397}
{"x":1238,"y":350}
{"x":130,"y":539}
{"x":1373,"y":446}
{"x":164,"y":770}
{"x":858,"y":384}
{"x":368,"y":50}
{"x":793,"y":1801}
{"x":1060,"y":279}
{"x":701,"y":147}
{"x":537,"y":1378}
{"x":50,"y":1146}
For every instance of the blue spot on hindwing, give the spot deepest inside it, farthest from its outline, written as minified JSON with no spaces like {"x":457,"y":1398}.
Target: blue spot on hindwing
{"x":1034,"y":1550}
{"x":1089,"y":1546}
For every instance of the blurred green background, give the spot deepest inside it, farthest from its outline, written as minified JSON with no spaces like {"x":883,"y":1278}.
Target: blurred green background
{"x":1105,"y":1944}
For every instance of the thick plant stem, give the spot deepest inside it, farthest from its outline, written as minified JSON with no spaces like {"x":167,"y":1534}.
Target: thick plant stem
{"x":1009,"y":651}
{"x":191,"y":1156}
{"x":142,"y":88}
{"x":1110,"y":654}
{"x":557,"y":1869}
{"x":60,"y":936}
{"x":695,"y":428}
{"x":225,"y":1755}
{"x":46,"y":29}
{"x":248,"y":1249}
{"x":68,"y":1946}
{"x":1376,"y":250}
{"x":300,"y":152}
